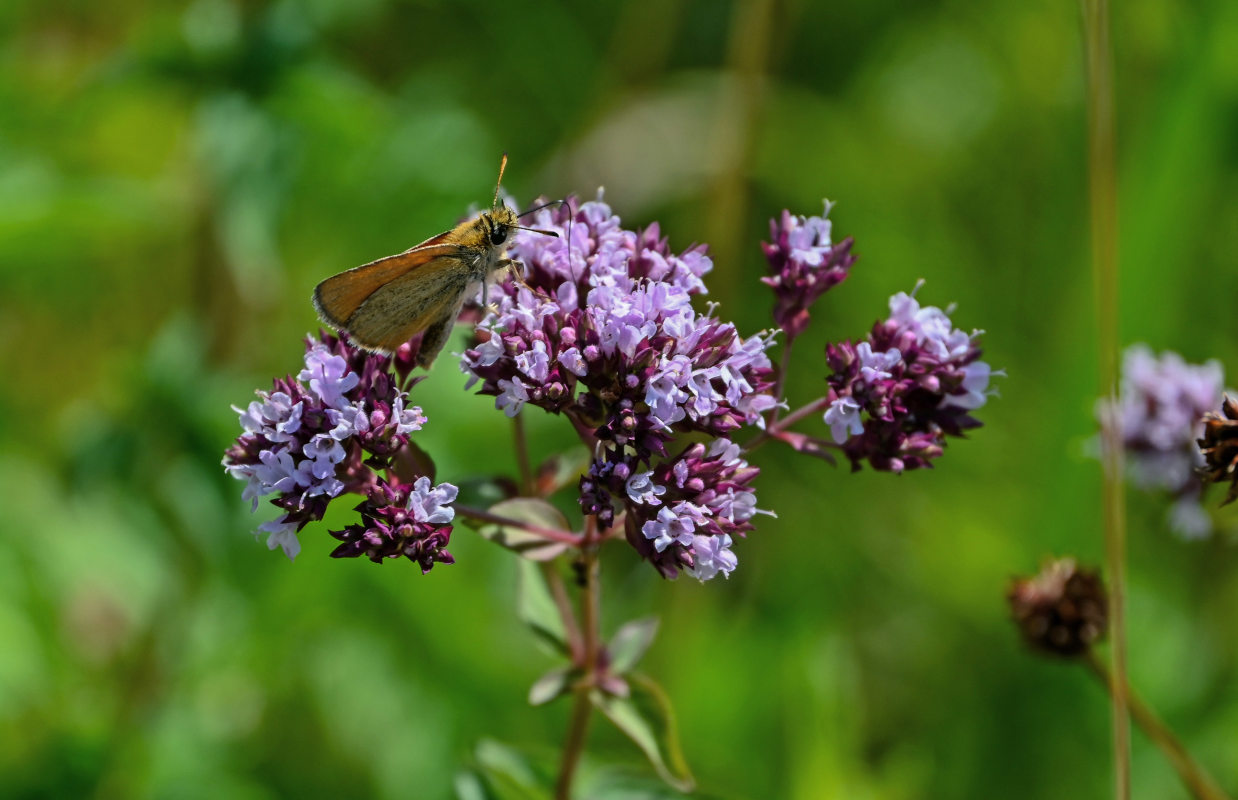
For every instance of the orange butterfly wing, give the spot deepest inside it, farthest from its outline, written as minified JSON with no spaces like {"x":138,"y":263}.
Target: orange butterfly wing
{"x":414,"y":302}
{"x":338,"y":297}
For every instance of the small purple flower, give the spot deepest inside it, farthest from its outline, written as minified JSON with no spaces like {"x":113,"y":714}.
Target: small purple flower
{"x":432,"y":504}
{"x":328,"y":376}
{"x":843,"y":417}
{"x":877,"y":366}
{"x":1160,"y":411}
{"x":712,"y":555}
{"x":281,"y":533}
{"x":605,"y":334}
{"x":894,"y":397}
{"x":320,"y":435}
{"x":644,"y":491}
{"x":805,"y":264}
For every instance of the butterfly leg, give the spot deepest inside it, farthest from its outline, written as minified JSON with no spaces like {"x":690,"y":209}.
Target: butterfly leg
{"x":514,"y":266}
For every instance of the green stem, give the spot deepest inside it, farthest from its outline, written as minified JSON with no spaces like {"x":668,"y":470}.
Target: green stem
{"x":577,"y":730}
{"x":780,"y":385}
{"x":1202,"y":785}
{"x":1102,"y":182}
{"x":582,"y":706}
{"x":521,"y":444}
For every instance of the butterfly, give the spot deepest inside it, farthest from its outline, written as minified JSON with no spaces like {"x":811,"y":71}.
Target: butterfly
{"x":383,"y":304}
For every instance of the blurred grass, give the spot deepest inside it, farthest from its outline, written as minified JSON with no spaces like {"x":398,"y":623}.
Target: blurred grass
{"x":174,"y":179}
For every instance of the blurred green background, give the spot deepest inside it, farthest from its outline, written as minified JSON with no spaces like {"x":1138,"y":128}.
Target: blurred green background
{"x":175,"y":177}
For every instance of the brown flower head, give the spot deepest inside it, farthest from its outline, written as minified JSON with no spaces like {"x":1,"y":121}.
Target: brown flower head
{"x":1220,"y":447}
{"x":1063,"y":610}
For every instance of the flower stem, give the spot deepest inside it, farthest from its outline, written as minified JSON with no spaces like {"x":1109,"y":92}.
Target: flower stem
{"x":780,"y":385}
{"x":1104,"y":212}
{"x":1197,"y":780}
{"x":521,"y":444}
{"x":777,"y":426}
{"x":582,"y":705}
{"x":553,"y":534}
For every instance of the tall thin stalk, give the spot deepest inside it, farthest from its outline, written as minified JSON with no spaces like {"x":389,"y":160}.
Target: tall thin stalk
{"x":1102,"y":180}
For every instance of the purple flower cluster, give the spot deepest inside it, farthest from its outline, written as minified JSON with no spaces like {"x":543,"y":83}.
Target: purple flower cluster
{"x":804,"y":264}
{"x":402,"y":520}
{"x":1160,"y":413}
{"x":895,"y":396}
{"x":683,"y":513}
{"x":605,"y":333}
{"x":326,"y":432}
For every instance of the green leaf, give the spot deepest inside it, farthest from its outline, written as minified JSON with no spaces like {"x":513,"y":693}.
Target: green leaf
{"x":630,"y":642}
{"x":536,"y":608}
{"x":619,"y":783}
{"x":502,"y":773}
{"x":647,"y":719}
{"x":411,"y":462}
{"x":535,"y":512}
{"x":551,"y":685}
{"x":469,"y":786}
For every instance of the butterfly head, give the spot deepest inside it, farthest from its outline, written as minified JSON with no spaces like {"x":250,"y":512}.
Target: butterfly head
{"x":498,"y":224}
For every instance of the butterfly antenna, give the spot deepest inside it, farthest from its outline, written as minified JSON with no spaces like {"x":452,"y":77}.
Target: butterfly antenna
{"x":570,"y":215}
{"x":536,"y":209}
{"x":502,"y":166}
{"x":536,"y":230}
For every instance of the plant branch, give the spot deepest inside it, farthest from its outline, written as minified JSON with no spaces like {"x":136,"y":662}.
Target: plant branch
{"x":1197,"y":780}
{"x":552,"y":534}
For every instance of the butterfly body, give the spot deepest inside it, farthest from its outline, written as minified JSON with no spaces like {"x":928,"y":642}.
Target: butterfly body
{"x":384,"y":303}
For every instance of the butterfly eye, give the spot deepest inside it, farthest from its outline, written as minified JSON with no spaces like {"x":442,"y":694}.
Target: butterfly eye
{"x":498,"y":235}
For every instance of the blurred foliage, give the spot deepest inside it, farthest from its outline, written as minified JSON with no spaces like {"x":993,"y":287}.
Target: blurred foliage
{"x":175,"y":177}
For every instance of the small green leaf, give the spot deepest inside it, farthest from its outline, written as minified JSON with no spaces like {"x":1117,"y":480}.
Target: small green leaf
{"x":537,"y":608}
{"x":551,"y":685}
{"x":502,"y":773}
{"x":648,"y":720}
{"x":561,"y":469}
{"x":411,"y":462}
{"x":619,"y":783}
{"x":469,"y":786}
{"x":535,"y":512}
{"x":630,"y":642}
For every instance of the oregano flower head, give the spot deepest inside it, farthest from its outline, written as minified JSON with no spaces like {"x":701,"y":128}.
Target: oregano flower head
{"x":604,"y":333}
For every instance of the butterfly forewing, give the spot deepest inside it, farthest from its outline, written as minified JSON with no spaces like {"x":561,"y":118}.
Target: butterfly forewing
{"x":338,"y":297}
{"x":407,"y":305}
